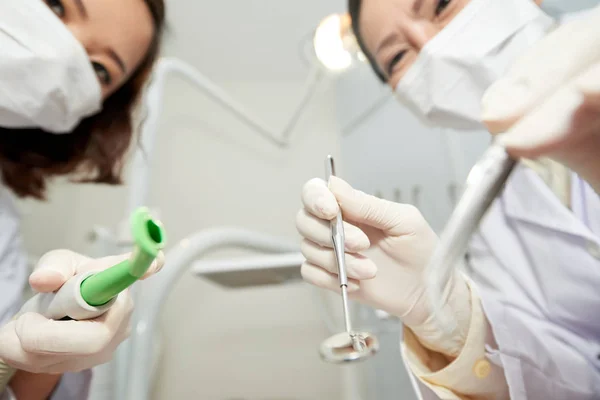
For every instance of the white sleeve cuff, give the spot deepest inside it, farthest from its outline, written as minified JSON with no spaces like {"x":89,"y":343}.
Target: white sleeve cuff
{"x":472,"y":374}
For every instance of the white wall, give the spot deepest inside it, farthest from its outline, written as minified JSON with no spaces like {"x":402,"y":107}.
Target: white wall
{"x":392,"y":154}
{"x":212,"y":171}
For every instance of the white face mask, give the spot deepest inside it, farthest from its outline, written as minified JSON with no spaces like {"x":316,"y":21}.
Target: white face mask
{"x":446,"y":83}
{"x":46,"y":79}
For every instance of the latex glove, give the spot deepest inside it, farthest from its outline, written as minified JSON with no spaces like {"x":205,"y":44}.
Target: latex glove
{"x":549,"y":102}
{"x":390,"y":275}
{"x":36,"y":344}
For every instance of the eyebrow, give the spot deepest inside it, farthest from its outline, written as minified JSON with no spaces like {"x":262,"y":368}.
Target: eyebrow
{"x":81,"y":8}
{"x":417,"y":5}
{"x":111,"y":53}
{"x":115,"y":57}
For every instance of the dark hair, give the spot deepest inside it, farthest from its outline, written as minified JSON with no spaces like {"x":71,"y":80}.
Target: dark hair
{"x":354,"y":11}
{"x":94,"y":151}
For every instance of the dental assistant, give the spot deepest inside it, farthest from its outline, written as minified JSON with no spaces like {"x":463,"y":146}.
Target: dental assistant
{"x":528,"y":313}
{"x":71,"y":72}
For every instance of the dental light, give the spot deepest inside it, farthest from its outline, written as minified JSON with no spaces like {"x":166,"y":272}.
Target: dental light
{"x":334,"y":43}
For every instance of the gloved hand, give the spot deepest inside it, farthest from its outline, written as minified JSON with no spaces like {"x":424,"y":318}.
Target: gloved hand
{"x":36,"y":344}
{"x":387,"y":248}
{"x":549,"y":102}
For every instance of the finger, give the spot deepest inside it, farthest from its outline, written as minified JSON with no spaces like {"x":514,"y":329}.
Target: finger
{"x":319,"y":231}
{"x":539,"y":72}
{"x":39,"y":335}
{"x":80,"y":363}
{"x":588,"y":83}
{"x":545,"y":128}
{"x":318,"y":200}
{"x":156,"y":265}
{"x":13,"y":354}
{"x":358,"y":266}
{"x":54,"y":269}
{"x":394,"y":218}
{"x":57,"y":266}
{"x":570,"y":114}
{"x":99,"y":264}
{"x":325,"y":280}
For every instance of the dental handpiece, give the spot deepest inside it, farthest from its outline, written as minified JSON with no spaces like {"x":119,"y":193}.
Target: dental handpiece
{"x":89,"y":295}
{"x":483,"y":185}
{"x":338,"y":240}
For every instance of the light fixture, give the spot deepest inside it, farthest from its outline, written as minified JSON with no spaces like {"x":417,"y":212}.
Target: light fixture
{"x":334,"y":43}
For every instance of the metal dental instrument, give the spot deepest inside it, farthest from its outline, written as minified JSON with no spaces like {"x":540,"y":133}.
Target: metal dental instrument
{"x":484,"y":184}
{"x":349,"y":345}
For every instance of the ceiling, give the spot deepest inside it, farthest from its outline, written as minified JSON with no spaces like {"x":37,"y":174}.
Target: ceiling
{"x":242,"y":40}
{"x":245,"y":39}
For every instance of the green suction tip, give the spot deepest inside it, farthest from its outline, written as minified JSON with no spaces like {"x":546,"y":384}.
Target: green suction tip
{"x":149,"y":238}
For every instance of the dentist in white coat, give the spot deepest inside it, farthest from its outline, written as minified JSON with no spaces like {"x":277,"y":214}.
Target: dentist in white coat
{"x":528,"y":325}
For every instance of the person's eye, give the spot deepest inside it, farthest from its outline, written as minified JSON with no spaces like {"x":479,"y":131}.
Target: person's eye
{"x":441,"y":6}
{"x":57,"y":7}
{"x":102,"y":73}
{"x":395,"y":61}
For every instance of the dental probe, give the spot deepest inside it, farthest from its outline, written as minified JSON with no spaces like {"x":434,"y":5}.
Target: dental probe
{"x":350,"y":345}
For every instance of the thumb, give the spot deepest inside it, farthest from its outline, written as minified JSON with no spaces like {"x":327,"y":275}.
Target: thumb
{"x":54,"y":269}
{"x":98,"y":264}
{"x":545,"y":130}
{"x":530,"y":80}
{"x":58,"y":266}
{"x":393,"y":218}
{"x":156,"y":265}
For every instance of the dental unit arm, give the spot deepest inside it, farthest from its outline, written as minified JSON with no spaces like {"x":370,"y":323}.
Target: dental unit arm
{"x":484,"y":183}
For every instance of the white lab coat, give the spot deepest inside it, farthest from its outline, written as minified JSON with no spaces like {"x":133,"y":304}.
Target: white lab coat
{"x":13,"y":278}
{"x":536,"y":265}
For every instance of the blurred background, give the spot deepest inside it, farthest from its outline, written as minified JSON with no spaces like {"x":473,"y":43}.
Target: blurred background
{"x":209,"y":169}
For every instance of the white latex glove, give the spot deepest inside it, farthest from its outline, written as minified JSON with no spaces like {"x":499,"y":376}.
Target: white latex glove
{"x":401,"y":243}
{"x":549,"y":102}
{"x":36,"y":344}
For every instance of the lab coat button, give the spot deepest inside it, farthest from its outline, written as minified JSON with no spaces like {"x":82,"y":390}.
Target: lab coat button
{"x":482,"y":369}
{"x":593,"y":249}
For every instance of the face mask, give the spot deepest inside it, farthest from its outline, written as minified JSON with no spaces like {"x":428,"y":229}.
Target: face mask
{"x":446,"y":83}
{"x":46,"y":79}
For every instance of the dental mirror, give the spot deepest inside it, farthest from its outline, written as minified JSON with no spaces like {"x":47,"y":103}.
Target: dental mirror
{"x":350,"y":345}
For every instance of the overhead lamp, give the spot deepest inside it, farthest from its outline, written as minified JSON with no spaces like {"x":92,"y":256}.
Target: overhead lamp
{"x":334,"y":43}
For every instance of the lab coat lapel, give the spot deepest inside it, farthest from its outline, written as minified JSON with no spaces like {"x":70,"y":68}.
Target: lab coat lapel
{"x":528,"y":199}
